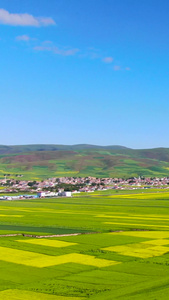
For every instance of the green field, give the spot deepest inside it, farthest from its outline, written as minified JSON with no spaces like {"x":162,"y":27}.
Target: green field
{"x":125,"y":254}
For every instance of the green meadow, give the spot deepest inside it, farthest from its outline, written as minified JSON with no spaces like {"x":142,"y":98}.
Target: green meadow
{"x":122,"y":253}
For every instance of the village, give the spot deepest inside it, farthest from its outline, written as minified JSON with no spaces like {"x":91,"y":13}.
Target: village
{"x":67,"y":186}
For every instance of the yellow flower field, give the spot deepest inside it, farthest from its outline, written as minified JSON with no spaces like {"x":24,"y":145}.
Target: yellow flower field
{"x":12,"y":216}
{"x":27,"y":295}
{"x":145,"y":249}
{"x":40,"y":260}
{"x":47,"y":242}
{"x":137,"y":224}
{"x":145,"y":234}
{"x":139,"y":250}
{"x":134,"y":218}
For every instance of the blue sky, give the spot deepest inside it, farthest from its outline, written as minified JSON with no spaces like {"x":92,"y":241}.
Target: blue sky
{"x":88,"y":71}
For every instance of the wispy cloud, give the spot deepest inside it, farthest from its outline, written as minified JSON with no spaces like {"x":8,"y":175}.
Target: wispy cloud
{"x":24,"y":38}
{"x":56,"y":50}
{"x":25,"y":19}
{"x":117,"y":68}
{"x":47,"y":42}
{"x":108,"y":60}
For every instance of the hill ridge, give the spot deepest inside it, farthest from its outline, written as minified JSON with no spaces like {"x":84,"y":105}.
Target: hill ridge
{"x":39,"y":161}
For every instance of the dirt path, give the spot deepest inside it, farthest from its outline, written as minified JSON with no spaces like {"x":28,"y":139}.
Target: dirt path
{"x":45,"y":236}
{"x":62,"y":235}
{"x":15,"y":234}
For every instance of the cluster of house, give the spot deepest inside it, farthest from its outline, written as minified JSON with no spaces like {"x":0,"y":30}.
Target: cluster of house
{"x":41,"y":194}
{"x":58,"y":186}
{"x":18,"y":197}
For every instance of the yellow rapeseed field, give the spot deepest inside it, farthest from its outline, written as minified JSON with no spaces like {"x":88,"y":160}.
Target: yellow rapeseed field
{"x":11,"y":216}
{"x":147,"y":196}
{"x":89,"y":260}
{"x":136,"y":224}
{"x":145,"y":234}
{"x":157,"y":242}
{"x":47,"y":242}
{"x":131,"y":217}
{"x":40,"y":260}
{"x":27,"y":295}
{"x":139,"y":250}
{"x":154,"y":247}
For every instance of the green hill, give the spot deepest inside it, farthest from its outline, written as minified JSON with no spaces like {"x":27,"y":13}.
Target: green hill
{"x":42,"y":161}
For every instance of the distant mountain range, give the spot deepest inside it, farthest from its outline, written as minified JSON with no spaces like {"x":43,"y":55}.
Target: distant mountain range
{"x":41,"y":161}
{"x":41,"y":147}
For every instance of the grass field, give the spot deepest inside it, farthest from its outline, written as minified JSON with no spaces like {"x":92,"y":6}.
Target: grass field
{"x":125,"y":256}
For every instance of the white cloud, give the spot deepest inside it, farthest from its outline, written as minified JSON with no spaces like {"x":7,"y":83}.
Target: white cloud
{"x":127,"y":69}
{"x":8,"y":18}
{"x":24,"y":38}
{"x":117,"y":68}
{"x":108,"y":60}
{"x":47,"y":42}
{"x":42,"y":48}
{"x":58,"y":51}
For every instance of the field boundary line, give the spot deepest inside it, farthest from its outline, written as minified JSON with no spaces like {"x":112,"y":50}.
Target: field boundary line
{"x":66,"y":234}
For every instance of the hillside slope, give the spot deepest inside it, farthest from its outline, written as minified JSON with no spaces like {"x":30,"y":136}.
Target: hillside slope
{"x":41,"y":161}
